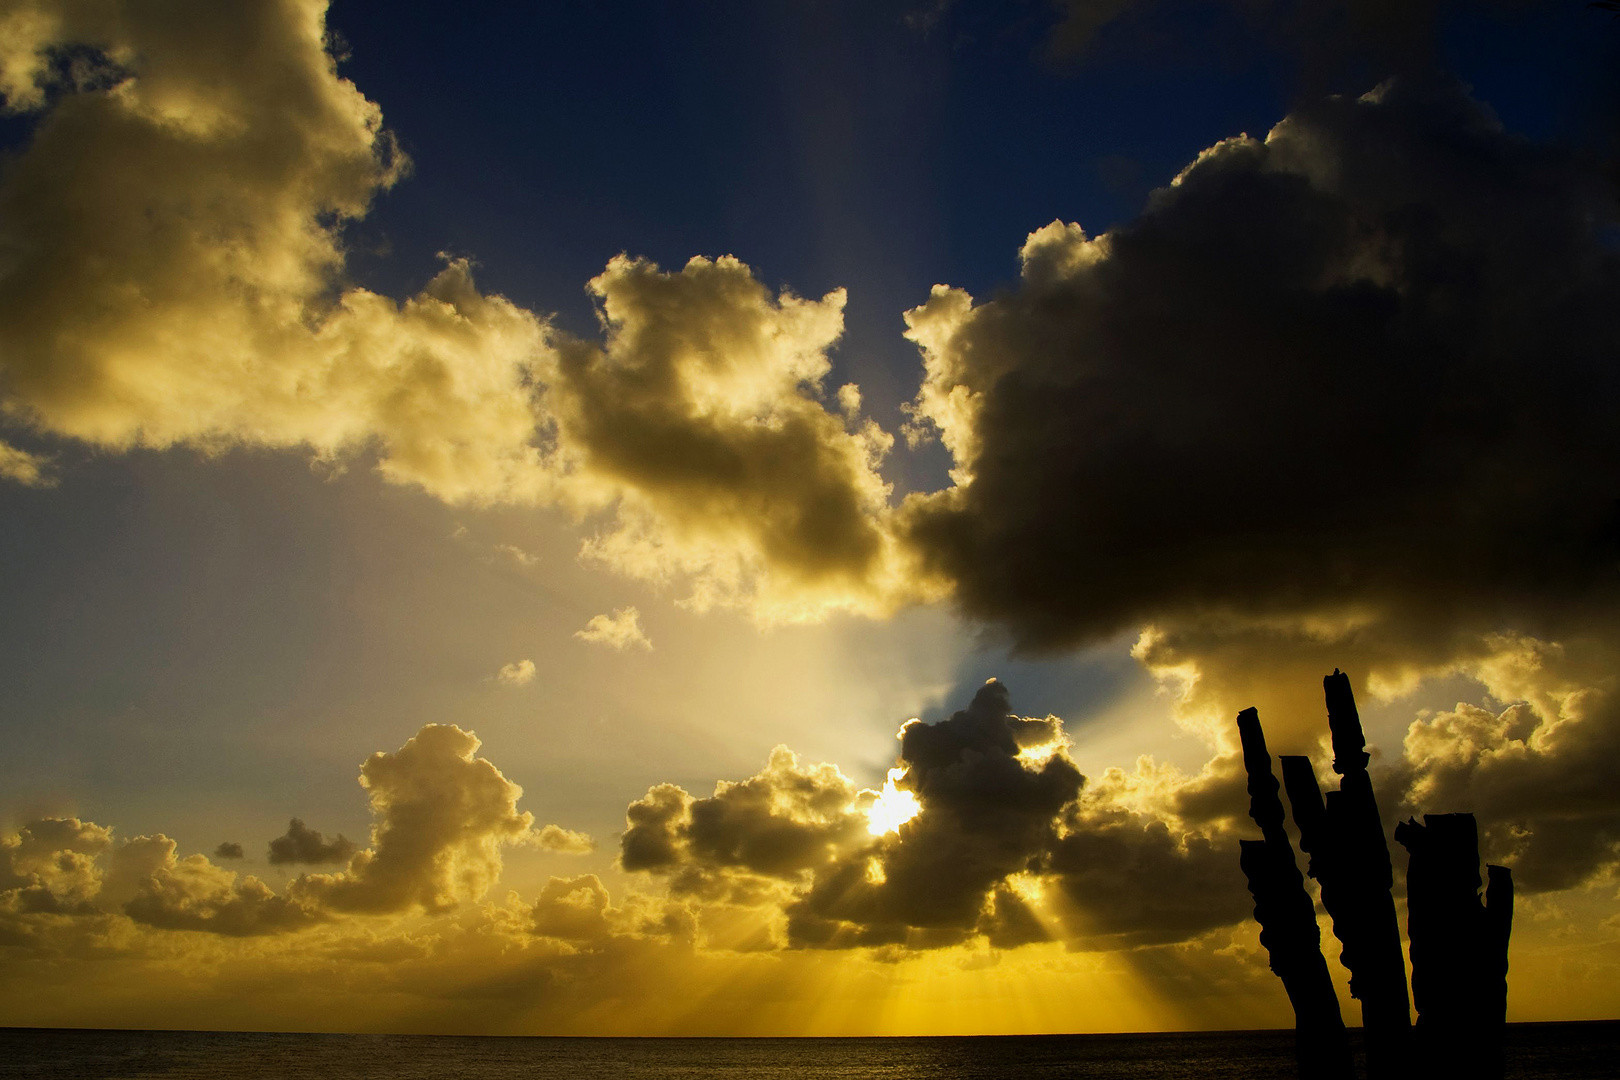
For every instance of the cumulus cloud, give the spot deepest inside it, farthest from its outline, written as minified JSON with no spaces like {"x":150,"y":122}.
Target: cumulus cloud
{"x":67,"y":867}
{"x":620,"y":630}
{"x":1358,"y":370}
{"x":1010,"y":848}
{"x":90,"y":927}
{"x":1536,"y":767}
{"x":517,"y":673}
{"x":173,"y":238}
{"x":572,"y":909}
{"x":580,"y":911}
{"x":1529,"y":755}
{"x":990,"y":786}
{"x":443,"y":816}
{"x":1406,"y":298}
{"x":51,"y":863}
{"x":787,"y":819}
{"x":1003,"y":846}
{"x":171,"y":893}
{"x":565,"y":841}
{"x":301,"y":844}
{"x":701,"y":418}
{"x":175,"y":278}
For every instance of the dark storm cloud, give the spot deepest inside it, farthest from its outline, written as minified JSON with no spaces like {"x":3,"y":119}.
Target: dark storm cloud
{"x":786,"y":820}
{"x":1343,"y":396}
{"x":1002,"y":836}
{"x":1009,"y":921}
{"x":986,"y":815}
{"x":1129,"y":882}
{"x":301,"y":844}
{"x":1368,"y":361}
{"x":230,"y":850}
{"x":650,"y":841}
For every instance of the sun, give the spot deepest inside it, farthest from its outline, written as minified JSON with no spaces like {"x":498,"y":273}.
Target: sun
{"x":893,"y":807}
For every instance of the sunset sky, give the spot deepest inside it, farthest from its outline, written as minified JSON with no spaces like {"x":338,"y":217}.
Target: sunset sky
{"x":757,"y":516}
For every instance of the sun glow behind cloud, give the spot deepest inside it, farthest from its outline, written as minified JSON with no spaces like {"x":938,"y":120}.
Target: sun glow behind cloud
{"x":893,"y":806}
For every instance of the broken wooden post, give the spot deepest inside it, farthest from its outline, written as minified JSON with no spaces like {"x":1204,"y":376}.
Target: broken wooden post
{"x":1357,"y":892}
{"x":1459,"y":945}
{"x":1287,"y":919}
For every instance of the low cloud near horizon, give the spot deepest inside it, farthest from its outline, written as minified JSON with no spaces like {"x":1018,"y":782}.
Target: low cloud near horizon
{"x":987,"y":842}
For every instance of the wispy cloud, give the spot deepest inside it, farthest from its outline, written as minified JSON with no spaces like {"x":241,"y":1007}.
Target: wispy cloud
{"x":21,"y":467}
{"x":516,"y":554}
{"x":517,"y":673}
{"x":620,"y":630}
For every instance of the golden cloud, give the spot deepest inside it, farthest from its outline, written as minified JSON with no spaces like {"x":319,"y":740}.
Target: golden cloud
{"x":442,"y":817}
{"x":517,"y":673}
{"x":620,"y":630}
{"x":701,"y":418}
{"x":176,"y":279}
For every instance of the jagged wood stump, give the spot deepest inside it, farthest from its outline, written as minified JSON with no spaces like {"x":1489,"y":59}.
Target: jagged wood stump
{"x":1459,"y":945}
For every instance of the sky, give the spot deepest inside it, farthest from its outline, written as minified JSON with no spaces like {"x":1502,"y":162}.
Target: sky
{"x":731,"y":518}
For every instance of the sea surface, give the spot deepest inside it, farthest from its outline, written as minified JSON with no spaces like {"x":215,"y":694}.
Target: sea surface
{"x":1576,"y":1051}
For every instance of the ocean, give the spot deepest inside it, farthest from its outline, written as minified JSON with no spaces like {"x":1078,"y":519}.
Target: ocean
{"x":1573,"y":1051}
